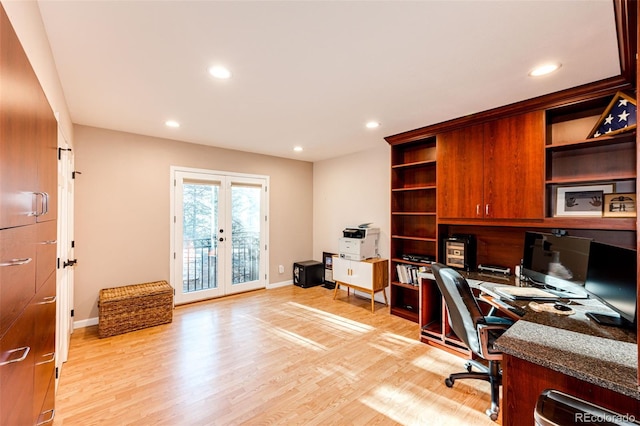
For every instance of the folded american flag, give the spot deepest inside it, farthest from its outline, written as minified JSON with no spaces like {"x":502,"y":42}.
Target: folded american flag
{"x":620,"y":116}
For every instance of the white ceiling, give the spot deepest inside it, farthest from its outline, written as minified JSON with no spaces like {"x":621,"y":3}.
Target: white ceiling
{"x":311,"y":73}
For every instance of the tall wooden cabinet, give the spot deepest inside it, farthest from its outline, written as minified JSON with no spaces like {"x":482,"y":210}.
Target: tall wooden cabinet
{"x":28,"y":229}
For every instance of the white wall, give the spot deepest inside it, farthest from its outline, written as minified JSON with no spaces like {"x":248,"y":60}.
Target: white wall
{"x":123,"y":208}
{"x":348,"y":191}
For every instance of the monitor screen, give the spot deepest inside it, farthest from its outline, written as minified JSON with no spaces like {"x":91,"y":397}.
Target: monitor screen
{"x":556,"y":261}
{"x":611,"y":278}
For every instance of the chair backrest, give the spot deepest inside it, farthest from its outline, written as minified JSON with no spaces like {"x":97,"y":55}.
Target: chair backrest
{"x":464,"y":312}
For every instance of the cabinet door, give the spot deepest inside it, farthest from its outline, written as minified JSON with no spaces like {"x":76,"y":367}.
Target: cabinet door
{"x":514,"y":167}
{"x":17,"y":272}
{"x":362,"y":274}
{"x":44,"y":309}
{"x":46,"y":254}
{"x":17,"y":372}
{"x":47,"y":161}
{"x":18,"y":158}
{"x":341,"y":269}
{"x":460,"y":173}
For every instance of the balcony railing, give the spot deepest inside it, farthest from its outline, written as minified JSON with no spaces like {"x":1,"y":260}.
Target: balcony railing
{"x":200,"y":261}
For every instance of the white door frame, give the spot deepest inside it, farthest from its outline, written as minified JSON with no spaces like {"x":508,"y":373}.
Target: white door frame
{"x":226,"y":178}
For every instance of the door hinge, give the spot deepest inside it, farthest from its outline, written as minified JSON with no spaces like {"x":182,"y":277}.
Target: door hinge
{"x":174,"y":254}
{"x":174,"y":219}
{"x":58,"y":260}
{"x":60,"y":152}
{"x":73,"y":313}
{"x":73,"y":244}
{"x":174,"y":183}
{"x":57,"y":373}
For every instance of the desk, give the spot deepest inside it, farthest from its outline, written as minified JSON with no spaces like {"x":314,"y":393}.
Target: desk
{"x":569,"y":353}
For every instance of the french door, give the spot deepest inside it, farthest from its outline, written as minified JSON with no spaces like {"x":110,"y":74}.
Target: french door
{"x":219,"y":233}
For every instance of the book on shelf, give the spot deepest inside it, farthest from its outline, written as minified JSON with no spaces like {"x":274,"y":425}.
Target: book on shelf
{"x":408,"y":274}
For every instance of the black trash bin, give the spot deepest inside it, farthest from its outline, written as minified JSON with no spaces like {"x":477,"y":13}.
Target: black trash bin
{"x":555,"y":408}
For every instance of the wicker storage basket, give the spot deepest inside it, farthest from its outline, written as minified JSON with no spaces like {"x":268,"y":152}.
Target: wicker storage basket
{"x":132,"y":307}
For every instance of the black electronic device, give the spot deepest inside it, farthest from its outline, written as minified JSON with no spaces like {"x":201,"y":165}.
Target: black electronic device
{"x":558,"y":263}
{"x":460,"y":251}
{"x":612,"y":279}
{"x":308,"y":273}
{"x":327,"y":260}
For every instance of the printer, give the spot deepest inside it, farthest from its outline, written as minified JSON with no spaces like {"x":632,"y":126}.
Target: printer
{"x":359,"y":243}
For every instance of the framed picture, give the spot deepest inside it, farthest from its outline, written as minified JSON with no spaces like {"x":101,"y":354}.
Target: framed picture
{"x":620,"y":205}
{"x":581,"y":200}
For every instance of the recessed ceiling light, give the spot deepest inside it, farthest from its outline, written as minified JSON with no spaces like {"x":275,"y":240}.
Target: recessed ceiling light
{"x":220,"y":72}
{"x":544,"y":69}
{"x":297,"y":148}
{"x":372,"y":125}
{"x":172,"y":123}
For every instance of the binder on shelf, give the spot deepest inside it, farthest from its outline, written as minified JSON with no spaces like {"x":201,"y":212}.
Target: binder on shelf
{"x":408,"y":274}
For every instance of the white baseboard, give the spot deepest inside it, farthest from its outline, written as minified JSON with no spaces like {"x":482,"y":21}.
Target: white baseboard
{"x":94,"y":321}
{"x":280,"y":284}
{"x":85,"y":323}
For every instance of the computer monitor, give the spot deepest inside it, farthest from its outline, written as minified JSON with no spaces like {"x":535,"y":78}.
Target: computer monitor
{"x":556,"y":262}
{"x":612,"y":278}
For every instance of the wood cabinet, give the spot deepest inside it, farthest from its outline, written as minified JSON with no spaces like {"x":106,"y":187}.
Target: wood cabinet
{"x":434,"y":320}
{"x":28,"y":231}
{"x":493,"y":170}
{"x":524,"y":381}
{"x":414,"y":231}
{"x":370,"y":276}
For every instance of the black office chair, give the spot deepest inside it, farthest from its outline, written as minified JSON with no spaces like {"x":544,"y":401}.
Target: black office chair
{"x":475,"y":329}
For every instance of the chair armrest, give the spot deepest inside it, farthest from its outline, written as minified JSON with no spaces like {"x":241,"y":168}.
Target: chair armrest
{"x":488,"y":334}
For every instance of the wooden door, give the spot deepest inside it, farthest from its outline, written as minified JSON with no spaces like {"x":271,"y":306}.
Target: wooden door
{"x":460,"y":173}
{"x":514,"y":167}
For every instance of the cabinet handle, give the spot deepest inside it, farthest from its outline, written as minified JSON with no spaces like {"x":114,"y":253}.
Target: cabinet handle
{"x":52,"y":414}
{"x":48,"y":300}
{"x":486,"y":210}
{"x":44,"y":205}
{"x":16,"y":262}
{"x":52,"y":357}
{"x":26,"y":350}
{"x":477,"y":209}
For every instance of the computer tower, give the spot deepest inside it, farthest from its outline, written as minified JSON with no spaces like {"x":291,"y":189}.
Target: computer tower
{"x":327,"y":259}
{"x":308,"y":273}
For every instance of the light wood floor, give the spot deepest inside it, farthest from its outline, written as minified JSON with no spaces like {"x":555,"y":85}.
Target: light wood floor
{"x":283,"y":356}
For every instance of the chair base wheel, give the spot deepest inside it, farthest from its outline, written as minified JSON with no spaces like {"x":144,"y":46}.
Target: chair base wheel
{"x":493,"y":415}
{"x":449,"y":382}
